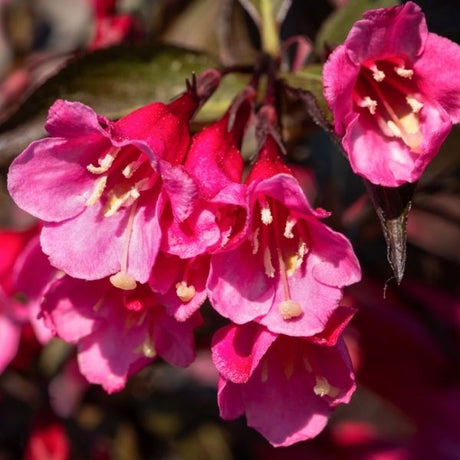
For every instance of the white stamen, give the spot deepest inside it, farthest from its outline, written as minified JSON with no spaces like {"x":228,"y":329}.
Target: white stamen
{"x":394,"y":128}
{"x":290,"y":222}
{"x":368,"y":103}
{"x":414,"y":104}
{"x":130,"y":169}
{"x":289,"y":309}
{"x":99,"y":187}
{"x":104,"y":163}
{"x":185,"y":292}
{"x":266,"y":214}
{"x":254,"y":240}
{"x":378,"y":74}
{"x":269,"y":270}
{"x":323,"y":388}
{"x":404,"y":73}
{"x":124,"y":281}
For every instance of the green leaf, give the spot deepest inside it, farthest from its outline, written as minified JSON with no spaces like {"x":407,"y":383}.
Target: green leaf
{"x":335,"y":29}
{"x":113,"y":82}
{"x":309,"y":79}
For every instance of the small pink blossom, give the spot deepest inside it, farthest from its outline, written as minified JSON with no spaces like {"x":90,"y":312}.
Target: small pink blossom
{"x":394,"y":92}
{"x":117,"y":332}
{"x":289,"y":272}
{"x":285,"y":386}
{"x":214,"y":161}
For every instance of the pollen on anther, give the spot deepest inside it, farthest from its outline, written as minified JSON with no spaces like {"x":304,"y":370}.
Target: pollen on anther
{"x":104,"y":163}
{"x":414,"y":104}
{"x":289,"y":309}
{"x":266,"y":214}
{"x":369,"y":104}
{"x":99,"y":187}
{"x":290,"y":222}
{"x":378,"y":74}
{"x":323,"y":388}
{"x":404,"y":73}
{"x":185,"y":292}
{"x":123,"y":280}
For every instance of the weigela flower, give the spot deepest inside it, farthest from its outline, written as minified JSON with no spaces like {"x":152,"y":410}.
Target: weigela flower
{"x":25,"y":274}
{"x":98,"y":185}
{"x":214,"y":161}
{"x":394,"y":92}
{"x":289,"y":272}
{"x":286,"y":386}
{"x":117,"y":332}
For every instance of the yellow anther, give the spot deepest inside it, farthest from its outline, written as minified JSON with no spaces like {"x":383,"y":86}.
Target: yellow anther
{"x":266,"y":214}
{"x":289,"y":309}
{"x":185,"y":292}
{"x":290,"y":222}
{"x":323,"y":388}
{"x":404,"y":73}
{"x":369,"y":104}
{"x":124,"y":281}
{"x":414,"y":104}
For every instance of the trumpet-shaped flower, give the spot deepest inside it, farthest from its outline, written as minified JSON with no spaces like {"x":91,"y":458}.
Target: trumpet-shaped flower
{"x":117,"y":332}
{"x":394,"y":92}
{"x":289,"y":272}
{"x":97,"y":185}
{"x":286,"y":386}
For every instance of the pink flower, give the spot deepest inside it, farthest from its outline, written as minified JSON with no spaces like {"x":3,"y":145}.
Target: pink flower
{"x":394,"y":92}
{"x":285,"y":386}
{"x":117,"y":332}
{"x":25,"y":274}
{"x":100,"y":187}
{"x":215,"y":162}
{"x":289,"y":272}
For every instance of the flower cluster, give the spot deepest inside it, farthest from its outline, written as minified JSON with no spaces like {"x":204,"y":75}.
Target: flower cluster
{"x":141,"y":222}
{"x":144,"y":223}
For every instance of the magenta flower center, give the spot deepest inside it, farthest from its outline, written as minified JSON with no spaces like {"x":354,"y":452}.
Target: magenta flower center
{"x":386,"y":92}
{"x":279,"y":240}
{"x":123,"y":176}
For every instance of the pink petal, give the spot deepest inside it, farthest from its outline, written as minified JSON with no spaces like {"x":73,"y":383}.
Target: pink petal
{"x":49,"y":179}
{"x":71,"y":305}
{"x":238,"y":287}
{"x":388,"y":32}
{"x":237,"y":350}
{"x":10,"y":333}
{"x":438,"y":70}
{"x":73,"y":119}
